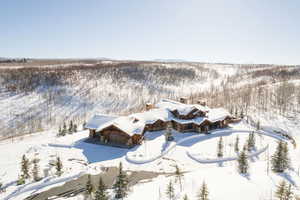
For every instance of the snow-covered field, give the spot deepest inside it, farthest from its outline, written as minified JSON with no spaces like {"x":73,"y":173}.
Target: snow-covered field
{"x":222,"y":178}
{"x":127,"y":89}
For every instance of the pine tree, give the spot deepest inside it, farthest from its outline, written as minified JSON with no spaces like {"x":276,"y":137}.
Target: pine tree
{"x":185,"y":197}
{"x":35,"y":170}
{"x":258,"y":125}
{"x":179,"y":175}
{"x":242,"y":114}
{"x":281,"y":191}
{"x":280,"y":160}
{"x":289,"y":194}
{"x":59,"y":131}
{"x":25,"y":167}
{"x":170,"y":191}
{"x":64,"y":130}
{"x":243,"y":165}
{"x":203,"y":193}
{"x":121,"y":185}
{"x":89,"y":187}
{"x":74,"y":128}
{"x":220,"y":148}
{"x":101,"y":193}
{"x":21,"y":180}
{"x":236,"y":145}
{"x":83,"y":125}
{"x":70,"y":130}
{"x":58,"y":166}
{"x":286,"y":159}
{"x":251,"y":142}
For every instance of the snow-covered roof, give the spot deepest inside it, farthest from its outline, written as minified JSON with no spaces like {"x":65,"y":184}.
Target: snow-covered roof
{"x":217,"y":114}
{"x":129,"y":125}
{"x":153,"y":115}
{"x":135,"y":123}
{"x":183,"y":109}
{"x":197,"y":120}
{"x":99,"y":121}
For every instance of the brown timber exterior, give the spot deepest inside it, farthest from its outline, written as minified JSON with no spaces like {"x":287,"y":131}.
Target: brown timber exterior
{"x":114,"y":135}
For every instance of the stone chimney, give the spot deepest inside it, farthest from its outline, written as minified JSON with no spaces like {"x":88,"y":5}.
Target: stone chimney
{"x":183,"y":100}
{"x":148,"y":106}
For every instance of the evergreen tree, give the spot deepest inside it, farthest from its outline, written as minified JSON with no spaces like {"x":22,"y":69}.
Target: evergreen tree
{"x":203,"y":193}
{"x":185,"y":197}
{"x":21,"y":180}
{"x":236,"y":144}
{"x":281,"y":191}
{"x":64,"y":130}
{"x":243,"y":165}
{"x":35,"y":170}
{"x":245,"y":147}
{"x":89,"y":187}
{"x":286,"y":158}
{"x":179,"y":175}
{"x":121,"y":185}
{"x":242,"y":114}
{"x":280,"y":160}
{"x":74,"y":128}
{"x":59,"y":131}
{"x":258,"y":125}
{"x":220,"y":148}
{"x":231,"y":111}
{"x":70,"y":130}
{"x":170,"y":191}
{"x":101,"y":193}
{"x":25,"y":167}
{"x":83,"y":125}
{"x":58,"y":166}
{"x":251,"y":142}
{"x":289,"y":194}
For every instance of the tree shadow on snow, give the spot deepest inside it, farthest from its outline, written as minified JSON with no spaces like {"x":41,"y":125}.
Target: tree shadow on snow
{"x":288,"y":177}
{"x":97,"y":153}
{"x":221,"y":164}
{"x":247,"y":176}
{"x":165,"y":146}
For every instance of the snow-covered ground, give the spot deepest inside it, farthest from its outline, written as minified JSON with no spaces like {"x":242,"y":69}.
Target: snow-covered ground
{"x":222,"y":178}
{"x":85,"y":94}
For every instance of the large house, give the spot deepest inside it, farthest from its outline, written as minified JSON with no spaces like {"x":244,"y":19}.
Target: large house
{"x":129,"y":130}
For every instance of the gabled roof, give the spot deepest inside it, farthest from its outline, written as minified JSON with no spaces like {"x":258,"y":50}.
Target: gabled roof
{"x":151,"y":116}
{"x":135,"y":123}
{"x":99,"y":121}
{"x":183,"y":109}
{"x":129,"y":125}
{"x":217,"y":114}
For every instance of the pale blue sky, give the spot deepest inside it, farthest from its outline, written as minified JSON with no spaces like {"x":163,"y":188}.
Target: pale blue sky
{"x":245,"y":31}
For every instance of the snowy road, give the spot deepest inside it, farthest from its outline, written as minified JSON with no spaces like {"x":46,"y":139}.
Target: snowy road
{"x":202,"y":138}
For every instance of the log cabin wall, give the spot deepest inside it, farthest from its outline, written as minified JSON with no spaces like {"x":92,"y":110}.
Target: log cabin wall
{"x":115,"y":135}
{"x":156,"y":126}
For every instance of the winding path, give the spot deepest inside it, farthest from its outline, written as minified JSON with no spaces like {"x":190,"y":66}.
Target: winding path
{"x":206,"y":161}
{"x":203,"y":137}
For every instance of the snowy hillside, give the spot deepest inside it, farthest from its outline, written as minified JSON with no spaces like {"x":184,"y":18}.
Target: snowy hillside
{"x":36,"y":99}
{"x":40,"y":95}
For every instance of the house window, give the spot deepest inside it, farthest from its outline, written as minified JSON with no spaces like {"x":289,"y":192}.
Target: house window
{"x":189,"y":126}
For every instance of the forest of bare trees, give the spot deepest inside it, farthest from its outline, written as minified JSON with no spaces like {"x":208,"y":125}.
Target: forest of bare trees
{"x":75,"y":92}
